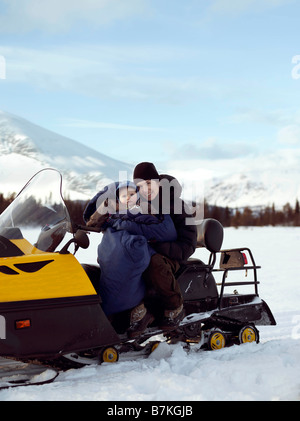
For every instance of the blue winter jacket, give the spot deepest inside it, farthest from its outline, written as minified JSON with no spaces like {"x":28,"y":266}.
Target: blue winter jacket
{"x":124,"y":254}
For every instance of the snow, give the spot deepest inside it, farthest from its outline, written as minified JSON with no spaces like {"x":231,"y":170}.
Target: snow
{"x":268,"y":371}
{"x":252,"y":180}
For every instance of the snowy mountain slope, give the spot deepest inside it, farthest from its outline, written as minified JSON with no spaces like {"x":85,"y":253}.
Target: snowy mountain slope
{"x":25,"y":148}
{"x":249,"y":181}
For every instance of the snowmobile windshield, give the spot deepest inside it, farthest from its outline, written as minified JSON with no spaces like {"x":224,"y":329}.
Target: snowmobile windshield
{"x":38,"y":213}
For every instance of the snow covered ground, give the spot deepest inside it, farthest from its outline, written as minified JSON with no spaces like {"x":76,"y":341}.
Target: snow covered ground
{"x":268,"y":371}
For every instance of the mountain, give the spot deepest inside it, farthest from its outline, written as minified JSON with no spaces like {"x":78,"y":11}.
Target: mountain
{"x":254,"y":180}
{"x":26,"y":148}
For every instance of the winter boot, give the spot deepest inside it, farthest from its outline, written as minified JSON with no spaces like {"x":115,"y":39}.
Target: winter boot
{"x":140,"y":319}
{"x":172,"y":318}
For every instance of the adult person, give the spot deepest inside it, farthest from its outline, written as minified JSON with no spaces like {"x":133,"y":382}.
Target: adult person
{"x":164,"y":264}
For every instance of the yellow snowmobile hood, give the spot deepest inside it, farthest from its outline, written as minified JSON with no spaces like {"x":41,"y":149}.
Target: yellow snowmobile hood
{"x":39,"y":275}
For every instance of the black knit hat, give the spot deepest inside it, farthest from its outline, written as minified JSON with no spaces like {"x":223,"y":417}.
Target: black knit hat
{"x":145,"y":171}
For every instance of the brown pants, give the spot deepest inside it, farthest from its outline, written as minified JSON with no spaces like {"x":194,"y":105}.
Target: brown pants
{"x":160,"y":276}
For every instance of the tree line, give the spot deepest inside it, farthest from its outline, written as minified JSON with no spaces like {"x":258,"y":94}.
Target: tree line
{"x":5,"y":201}
{"x":287,"y":215}
{"x":75,"y":208}
{"x":229,"y":217}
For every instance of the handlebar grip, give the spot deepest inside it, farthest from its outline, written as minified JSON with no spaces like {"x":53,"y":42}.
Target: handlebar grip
{"x":86,"y":228}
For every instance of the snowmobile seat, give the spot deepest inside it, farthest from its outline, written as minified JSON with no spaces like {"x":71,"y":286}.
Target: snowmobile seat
{"x":194,"y":276}
{"x":210,"y":235}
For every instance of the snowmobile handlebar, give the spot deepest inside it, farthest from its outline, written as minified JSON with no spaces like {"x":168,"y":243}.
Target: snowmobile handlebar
{"x":86,"y":228}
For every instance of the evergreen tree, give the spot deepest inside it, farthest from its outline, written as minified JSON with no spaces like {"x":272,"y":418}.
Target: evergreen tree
{"x":297,"y":214}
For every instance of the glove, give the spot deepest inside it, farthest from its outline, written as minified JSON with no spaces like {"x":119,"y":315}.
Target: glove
{"x":98,"y":221}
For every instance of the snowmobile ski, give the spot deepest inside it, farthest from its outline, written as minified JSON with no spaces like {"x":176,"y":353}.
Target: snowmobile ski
{"x":16,"y":373}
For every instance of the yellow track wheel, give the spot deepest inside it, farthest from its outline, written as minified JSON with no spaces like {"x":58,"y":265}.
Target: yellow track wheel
{"x":248,"y":334}
{"x":109,"y":355}
{"x":154,"y":346}
{"x":216,"y":340}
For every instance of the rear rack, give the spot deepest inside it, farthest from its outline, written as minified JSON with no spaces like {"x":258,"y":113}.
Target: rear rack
{"x":238,"y":264}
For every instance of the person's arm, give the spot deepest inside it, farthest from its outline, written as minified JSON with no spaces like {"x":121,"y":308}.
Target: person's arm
{"x":149,"y":226}
{"x":185,"y":244}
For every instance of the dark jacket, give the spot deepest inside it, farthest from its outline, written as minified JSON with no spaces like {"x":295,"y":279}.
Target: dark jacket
{"x":186,"y":241}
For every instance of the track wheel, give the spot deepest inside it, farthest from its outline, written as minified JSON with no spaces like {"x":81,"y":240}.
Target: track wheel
{"x":109,"y":355}
{"x":216,"y":340}
{"x":154,"y":346}
{"x":247,"y":334}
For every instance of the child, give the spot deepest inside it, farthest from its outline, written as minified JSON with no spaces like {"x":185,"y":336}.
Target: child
{"x":125,"y":250}
{"x":127,"y":196}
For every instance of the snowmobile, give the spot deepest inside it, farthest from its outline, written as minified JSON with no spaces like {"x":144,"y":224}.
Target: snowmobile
{"x":50,"y":312}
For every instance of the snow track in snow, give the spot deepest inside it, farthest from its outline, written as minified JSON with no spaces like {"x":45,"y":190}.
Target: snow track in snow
{"x":266,"y":371}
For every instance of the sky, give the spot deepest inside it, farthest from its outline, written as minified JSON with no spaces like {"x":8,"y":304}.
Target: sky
{"x":156,"y":80}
